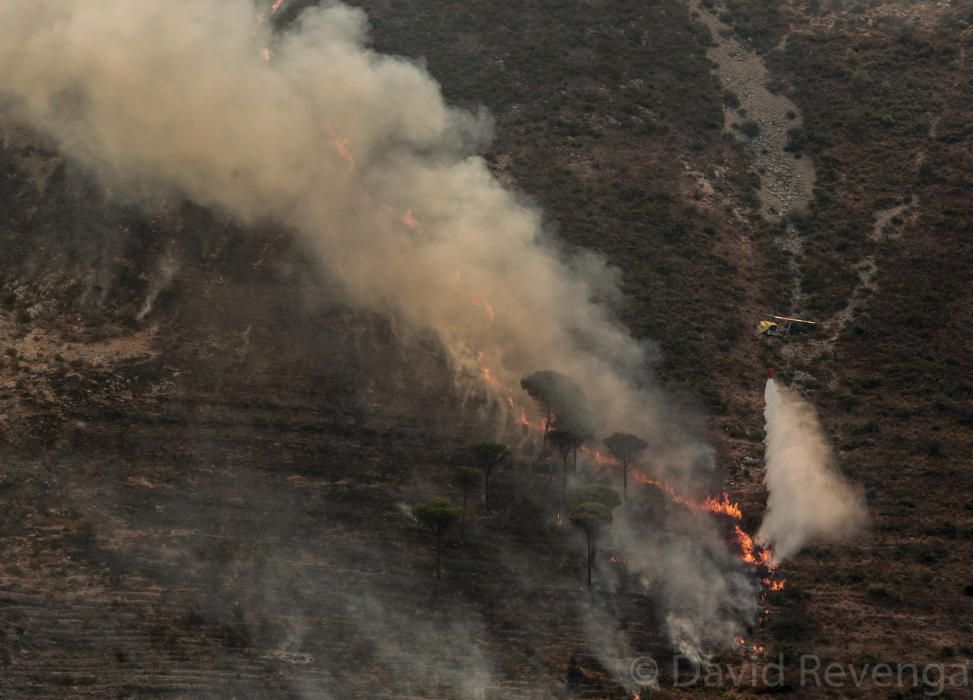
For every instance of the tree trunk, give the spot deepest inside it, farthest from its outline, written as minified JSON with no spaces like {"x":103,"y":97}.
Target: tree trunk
{"x":590,"y":551}
{"x":624,"y":481}
{"x":438,"y":548}
{"x":462,"y":520}
{"x":564,"y":485}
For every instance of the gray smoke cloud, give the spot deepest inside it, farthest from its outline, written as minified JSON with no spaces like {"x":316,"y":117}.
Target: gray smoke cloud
{"x":165,"y":270}
{"x":807,"y":497}
{"x":359,"y":154}
{"x":706,"y":595}
{"x":356,"y":151}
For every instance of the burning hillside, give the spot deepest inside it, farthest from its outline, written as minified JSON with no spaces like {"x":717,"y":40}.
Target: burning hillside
{"x":328,"y":298}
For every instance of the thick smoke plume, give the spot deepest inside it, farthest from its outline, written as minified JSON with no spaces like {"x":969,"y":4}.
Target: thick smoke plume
{"x":359,"y":154}
{"x":807,"y":497}
{"x":355,"y":150}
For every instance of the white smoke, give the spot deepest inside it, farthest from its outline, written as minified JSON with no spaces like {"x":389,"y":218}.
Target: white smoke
{"x":706,"y":595}
{"x":807,"y":497}
{"x":165,"y":272}
{"x":357,"y":153}
{"x":354,"y":150}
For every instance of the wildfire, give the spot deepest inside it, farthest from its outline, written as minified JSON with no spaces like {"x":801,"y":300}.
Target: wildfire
{"x":341,"y":146}
{"x":265,"y":52}
{"x":276,"y":6}
{"x":748,"y":550}
{"x":599,"y":457}
{"x":486,"y":374}
{"x":723,"y":505}
{"x":755,"y":649}
{"x":487,"y":307}
{"x":411,"y":222}
{"x":525,"y":421}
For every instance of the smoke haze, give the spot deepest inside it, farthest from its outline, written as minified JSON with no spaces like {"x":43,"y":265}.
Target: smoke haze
{"x":807,"y":497}
{"x":359,"y":154}
{"x":356,"y":151}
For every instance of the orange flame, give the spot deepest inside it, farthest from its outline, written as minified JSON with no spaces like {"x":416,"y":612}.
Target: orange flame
{"x":486,"y":374}
{"x":599,"y":457}
{"x":723,"y":505}
{"x":485,"y":305}
{"x":341,"y":146}
{"x":746,"y":545}
{"x":748,"y":550}
{"x":411,"y":222}
{"x":755,"y":649}
{"x":276,"y":6}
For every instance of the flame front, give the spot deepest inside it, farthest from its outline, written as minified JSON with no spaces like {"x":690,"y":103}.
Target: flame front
{"x":724,"y":506}
{"x":721,"y":506}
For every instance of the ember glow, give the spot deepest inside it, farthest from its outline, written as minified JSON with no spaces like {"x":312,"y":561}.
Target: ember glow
{"x":600,"y":458}
{"x":410,"y":221}
{"x":489,"y":378}
{"x":341,"y":146}
{"x":486,"y":306}
{"x":753,"y":649}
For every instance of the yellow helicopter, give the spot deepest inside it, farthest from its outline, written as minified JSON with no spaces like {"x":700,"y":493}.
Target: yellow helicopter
{"x":780,"y":326}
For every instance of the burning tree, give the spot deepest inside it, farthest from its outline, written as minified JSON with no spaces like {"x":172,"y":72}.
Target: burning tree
{"x":437,"y":515}
{"x":466,"y":479}
{"x":562,"y":401}
{"x":591,"y":511}
{"x":625,"y":447}
{"x":566,"y":442}
{"x":489,"y":455}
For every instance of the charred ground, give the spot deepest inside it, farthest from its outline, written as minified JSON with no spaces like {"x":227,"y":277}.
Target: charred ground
{"x":188,"y":498}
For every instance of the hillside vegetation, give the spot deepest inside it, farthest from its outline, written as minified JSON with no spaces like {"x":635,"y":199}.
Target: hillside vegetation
{"x":211,"y":494}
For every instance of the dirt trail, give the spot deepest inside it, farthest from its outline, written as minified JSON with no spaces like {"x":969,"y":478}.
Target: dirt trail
{"x":887,"y":226}
{"x":786,"y":182}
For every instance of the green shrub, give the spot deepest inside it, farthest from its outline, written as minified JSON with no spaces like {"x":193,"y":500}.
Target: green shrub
{"x":750,"y":128}
{"x":789,"y":627}
{"x":877,"y":590}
